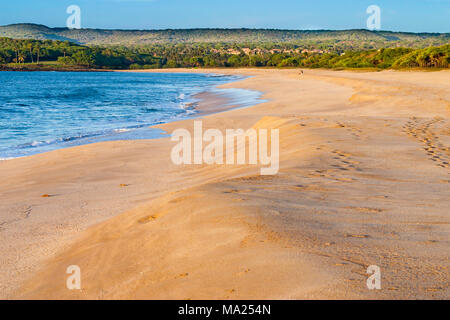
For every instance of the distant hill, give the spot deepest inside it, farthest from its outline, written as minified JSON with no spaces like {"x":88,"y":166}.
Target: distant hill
{"x":361,"y":39}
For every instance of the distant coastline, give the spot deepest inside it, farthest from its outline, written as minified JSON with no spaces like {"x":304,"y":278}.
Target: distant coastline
{"x":42,"y":67}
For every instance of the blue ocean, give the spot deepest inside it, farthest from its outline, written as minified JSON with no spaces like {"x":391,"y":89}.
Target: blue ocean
{"x":44,"y":111}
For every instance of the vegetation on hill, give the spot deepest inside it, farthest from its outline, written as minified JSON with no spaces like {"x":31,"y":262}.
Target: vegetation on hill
{"x":326,"y":40}
{"x":30,"y":54}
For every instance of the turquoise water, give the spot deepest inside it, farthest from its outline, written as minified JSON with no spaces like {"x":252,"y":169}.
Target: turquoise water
{"x":43,"y":111}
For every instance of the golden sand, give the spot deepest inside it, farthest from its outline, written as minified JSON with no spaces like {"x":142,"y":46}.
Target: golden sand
{"x":364,"y":180}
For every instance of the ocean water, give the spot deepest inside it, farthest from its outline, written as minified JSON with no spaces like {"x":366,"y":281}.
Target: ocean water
{"x":43,"y":111}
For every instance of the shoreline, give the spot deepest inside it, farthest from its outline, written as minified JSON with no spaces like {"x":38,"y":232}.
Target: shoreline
{"x":209,"y":101}
{"x":210,"y":69}
{"x":226,"y":232}
{"x":72,"y":230}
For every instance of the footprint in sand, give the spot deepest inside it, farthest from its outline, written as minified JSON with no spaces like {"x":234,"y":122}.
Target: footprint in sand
{"x":354,"y":131}
{"x":231,"y":291}
{"x":365,"y":209}
{"x":340,"y":264}
{"x":393,"y":288}
{"x":360,"y":236}
{"x":184,"y":198}
{"x":422,"y":130}
{"x":243,"y":272}
{"x":238,"y":191}
{"x":345,"y":162}
{"x":147,"y":219}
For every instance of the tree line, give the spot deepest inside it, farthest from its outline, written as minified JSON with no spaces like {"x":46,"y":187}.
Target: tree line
{"x":18,"y":53}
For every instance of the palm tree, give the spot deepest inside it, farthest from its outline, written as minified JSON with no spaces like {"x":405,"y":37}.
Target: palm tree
{"x":21,"y":58}
{"x":37,"y":49}
{"x":16,"y":50}
{"x":30,"y":49}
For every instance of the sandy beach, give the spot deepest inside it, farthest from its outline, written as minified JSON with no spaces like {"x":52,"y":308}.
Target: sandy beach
{"x":364,"y":180}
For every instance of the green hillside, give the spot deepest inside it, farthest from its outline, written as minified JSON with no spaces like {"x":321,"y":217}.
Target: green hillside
{"x":47,"y":54}
{"x":321,"y":39}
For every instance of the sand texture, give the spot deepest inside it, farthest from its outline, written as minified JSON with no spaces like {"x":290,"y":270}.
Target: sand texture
{"x":364,"y":180}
